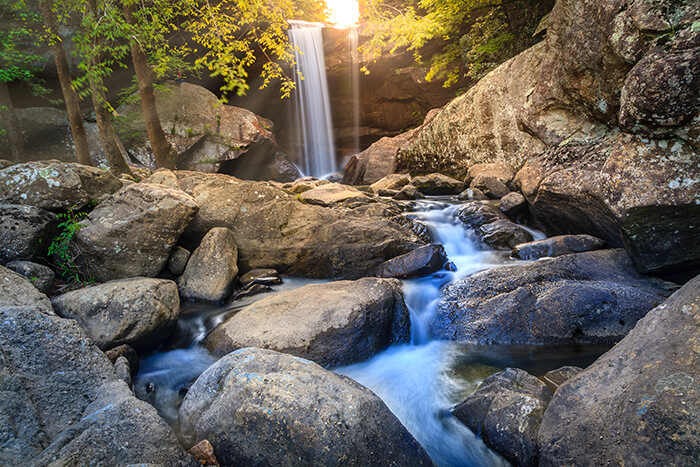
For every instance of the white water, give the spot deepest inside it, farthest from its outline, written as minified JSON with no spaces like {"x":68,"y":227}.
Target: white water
{"x":313,"y":101}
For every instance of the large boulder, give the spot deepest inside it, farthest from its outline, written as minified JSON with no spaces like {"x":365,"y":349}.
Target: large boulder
{"x":639,"y":403}
{"x":25,"y":232}
{"x":437,"y":184}
{"x":55,"y":185}
{"x":50,"y":372}
{"x":491,"y":226}
{"x":18,"y":291}
{"x":117,"y":429}
{"x":375,"y":162}
{"x":557,"y":246}
{"x":420,"y":262}
{"x":259,"y":407}
{"x":390,"y":182}
{"x":132,"y":233}
{"x":501,"y":171}
{"x":333,"y":324}
{"x":211,"y":271}
{"x":506,"y":410}
{"x":592,"y":297}
{"x":626,"y":190}
{"x":262,"y":160}
{"x":41,"y":277}
{"x":139,"y":312}
{"x":273,"y":229}
{"x":332,"y":193}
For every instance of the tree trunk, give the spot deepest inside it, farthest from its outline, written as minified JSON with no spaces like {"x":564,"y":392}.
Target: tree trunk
{"x":82,"y":149}
{"x":11,"y":124}
{"x":144,"y":75}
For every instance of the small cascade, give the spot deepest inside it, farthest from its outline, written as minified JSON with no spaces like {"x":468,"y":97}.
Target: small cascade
{"x":353,"y":44}
{"x":313,"y":101}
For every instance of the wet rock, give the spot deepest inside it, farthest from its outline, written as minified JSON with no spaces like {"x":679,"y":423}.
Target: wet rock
{"x":25,"y":232}
{"x":491,"y":227}
{"x":491,"y":186}
{"x":138,"y":312}
{"x":408,"y":193}
{"x":437,"y":184}
{"x":555,"y":378}
{"x":503,"y":172}
{"x":513,"y":205}
{"x":261,"y":407}
{"x":506,"y":411}
{"x":54,"y":185}
{"x":18,"y":291}
{"x":420,"y":262}
{"x":211,"y":272}
{"x":40,"y":276}
{"x":471,"y":194}
{"x":272,"y":229}
{"x":639,"y":401}
{"x":333,"y":324}
{"x":257,"y":274}
{"x":132,"y":233}
{"x":391,"y":182}
{"x":557,"y":246}
{"x":332,"y":193}
{"x":254,"y":288}
{"x":178,"y":260}
{"x":204,"y":453}
{"x":117,"y":429}
{"x":592,"y":297}
{"x":50,"y":373}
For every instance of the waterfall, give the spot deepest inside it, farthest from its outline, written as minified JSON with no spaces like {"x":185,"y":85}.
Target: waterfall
{"x":313,"y":101}
{"x":354,"y":74}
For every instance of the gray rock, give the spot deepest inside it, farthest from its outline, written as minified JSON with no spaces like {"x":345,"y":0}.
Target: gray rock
{"x":25,"y":232}
{"x":437,"y":184}
{"x":54,"y":185}
{"x":592,"y":297}
{"x":491,"y":227}
{"x":513,"y":205}
{"x":117,"y":429}
{"x":18,"y":291}
{"x":506,"y":411}
{"x":491,"y":186}
{"x":139,"y":312}
{"x":127,"y":352}
{"x":256,"y":274}
{"x":211,"y":272}
{"x":408,"y":193}
{"x":557,"y":246}
{"x":133,"y":232}
{"x":555,"y":378}
{"x":420,"y":262}
{"x":638,"y":402}
{"x":503,"y":172}
{"x":40,"y":276}
{"x":178,"y":260}
{"x":259,"y":407}
{"x":333,"y":324}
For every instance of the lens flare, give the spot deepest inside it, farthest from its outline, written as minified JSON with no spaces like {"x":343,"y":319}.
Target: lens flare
{"x":343,"y":13}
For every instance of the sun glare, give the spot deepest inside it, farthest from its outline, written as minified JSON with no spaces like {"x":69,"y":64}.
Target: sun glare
{"x":343,"y":13}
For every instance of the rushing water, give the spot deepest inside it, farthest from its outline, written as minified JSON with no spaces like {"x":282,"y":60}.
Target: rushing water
{"x":420,"y":382}
{"x":313,"y":101}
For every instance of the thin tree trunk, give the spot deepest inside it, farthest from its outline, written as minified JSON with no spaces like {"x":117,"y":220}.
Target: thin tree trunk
{"x":11,"y":124}
{"x":144,"y":75}
{"x":70,"y":97}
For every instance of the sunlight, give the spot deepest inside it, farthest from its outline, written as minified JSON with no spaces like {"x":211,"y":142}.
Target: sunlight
{"x":343,"y":13}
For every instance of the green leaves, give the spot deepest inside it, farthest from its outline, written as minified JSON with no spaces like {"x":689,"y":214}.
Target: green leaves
{"x":60,"y":249}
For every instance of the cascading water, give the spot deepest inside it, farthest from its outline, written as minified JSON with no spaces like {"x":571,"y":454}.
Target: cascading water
{"x":313,"y":101}
{"x":353,"y":45}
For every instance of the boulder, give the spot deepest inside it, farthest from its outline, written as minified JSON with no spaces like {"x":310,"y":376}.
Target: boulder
{"x":471,"y":194}
{"x":18,"y":291}
{"x":555,"y":378}
{"x":491,"y":227}
{"x":125,"y":352}
{"x":258,"y":274}
{"x":437,"y":184}
{"x":420,"y":262}
{"x":513,"y":205}
{"x":262,"y":407}
{"x":491,"y":186}
{"x":25,"y":232}
{"x":132,"y":233}
{"x":139,"y":312}
{"x":40,"y":276}
{"x":503,"y":172}
{"x":505,"y":411}
{"x":391,"y":182}
{"x":639,"y":401}
{"x":50,"y":372}
{"x":625,"y":190}
{"x":375,"y":162}
{"x":589,"y":298}
{"x":211,"y":272}
{"x":178,"y":260}
{"x":54,"y":185}
{"x":557,"y":246}
{"x":273,"y":229}
{"x":408,"y":193}
{"x":262,"y":160}
{"x":332,"y":193}
{"x":117,"y":429}
{"x":333,"y":324}
{"x":163,"y":177}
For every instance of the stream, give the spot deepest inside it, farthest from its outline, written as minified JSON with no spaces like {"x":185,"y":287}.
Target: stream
{"x":419,"y":382}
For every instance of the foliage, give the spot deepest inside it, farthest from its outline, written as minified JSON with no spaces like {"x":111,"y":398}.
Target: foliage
{"x":18,"y":34}
{"x":60,"y":249}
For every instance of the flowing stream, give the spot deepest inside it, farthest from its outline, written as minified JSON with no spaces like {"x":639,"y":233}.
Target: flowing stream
{"x":419,"y":381}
